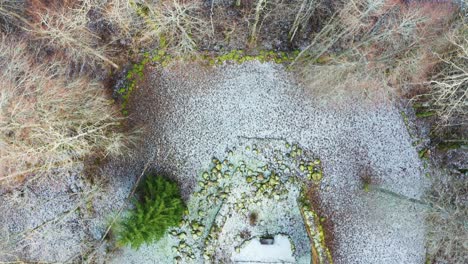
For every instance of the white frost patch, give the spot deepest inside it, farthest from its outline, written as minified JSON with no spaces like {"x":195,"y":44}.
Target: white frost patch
{"x":254,"y":252}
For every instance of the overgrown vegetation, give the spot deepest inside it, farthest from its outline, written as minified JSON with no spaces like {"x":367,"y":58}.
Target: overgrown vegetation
{"x":379,"y":48}
{"x":159,"y":208}
{"x":134,"y":75}
{"x":177,"y":24}
{"x":387,"y":49}
{"x":54,"y":110}
{"x":447,"y":240}
{"x":449,"y":85}
{"x":65,"y":29}
{"x":48,"y":121}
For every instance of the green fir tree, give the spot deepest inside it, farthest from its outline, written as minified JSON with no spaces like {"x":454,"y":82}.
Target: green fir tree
{"x":159,"y":208}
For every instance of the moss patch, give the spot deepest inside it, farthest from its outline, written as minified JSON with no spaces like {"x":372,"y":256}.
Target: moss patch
{"x":320,"y":252}
{"x":248,"y":179}
{"x":162,"y":58}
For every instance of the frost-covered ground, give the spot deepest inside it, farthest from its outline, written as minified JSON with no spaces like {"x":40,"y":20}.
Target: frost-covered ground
{"x":255,"y":252}
{"x":193,"y":113}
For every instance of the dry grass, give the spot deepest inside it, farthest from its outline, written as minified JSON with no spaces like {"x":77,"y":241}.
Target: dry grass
{"x":176,"y":24}
{"x":50,"y":116}
{"x":125,"y":19}
{"x":9,"y":10}
{"x":449,"y":86}
{"x":48,"y":121}
{"x":64,"y":28}
{"x":447,"y":240}
{"x":372,"y":45}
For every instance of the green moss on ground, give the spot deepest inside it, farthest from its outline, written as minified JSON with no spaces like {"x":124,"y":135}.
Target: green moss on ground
{"x":163,"y":58}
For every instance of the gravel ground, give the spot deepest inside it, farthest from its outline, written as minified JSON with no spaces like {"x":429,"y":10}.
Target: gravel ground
{"x":193,"y":113}
{"x":44,"y":221}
